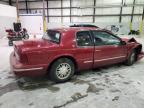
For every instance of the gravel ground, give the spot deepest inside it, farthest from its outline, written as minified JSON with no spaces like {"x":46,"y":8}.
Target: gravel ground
{"x":116,"y":86}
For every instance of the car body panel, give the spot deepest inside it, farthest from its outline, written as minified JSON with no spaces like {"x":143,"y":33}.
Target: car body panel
{"x":109,"y":54}
{"x":21,"y":69}
{"x":84,"y":57}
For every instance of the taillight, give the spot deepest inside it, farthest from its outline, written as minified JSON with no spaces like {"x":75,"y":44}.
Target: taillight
{"x":22,"y":57}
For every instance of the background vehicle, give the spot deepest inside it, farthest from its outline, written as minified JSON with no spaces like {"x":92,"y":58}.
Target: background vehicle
{"x":61,"y":52}
{"x":15,"y":36}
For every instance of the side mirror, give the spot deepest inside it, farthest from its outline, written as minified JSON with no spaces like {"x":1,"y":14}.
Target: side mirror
{"x":123,"y":43}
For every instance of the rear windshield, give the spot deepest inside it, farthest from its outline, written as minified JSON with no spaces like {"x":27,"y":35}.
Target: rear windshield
{"x":53,"y":36}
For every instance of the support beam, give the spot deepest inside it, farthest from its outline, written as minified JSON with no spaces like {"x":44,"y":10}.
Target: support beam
{"x":143,"y":14}
{"x":132,"y":11}
{"x":17,"y":7}
{"x":110,"y":6}
{"x":10,"y":2}
{"x":47,"y":12}
{"x":61,"y":11}
{"x":26,"y":3}
{"x":141,"y":27}
{"x":120,"y":17}
{"x":34,"y":1}
{"x":70,"y":10}
{"x":51,"y":8}
{"x":44,"y":18}
{"x":94,"y":9}
{"x":104,"y":15}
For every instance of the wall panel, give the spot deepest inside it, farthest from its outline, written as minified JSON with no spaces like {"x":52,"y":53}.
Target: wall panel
{"x":106,"y":19}
{"x":126,"y":19}
{"x":108,"y":2}
{"x":53,"y":4}
{"x":82,"y":19}
{"x":54,"y":12}
{"x":127,"y":10}
{"x":55,"y":19}
{"x":7,"y":18}
{"x":107,"y":10}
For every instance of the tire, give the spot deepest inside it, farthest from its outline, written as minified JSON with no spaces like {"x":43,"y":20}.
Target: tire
{"x":26,"y":36}
{"x":10,"y":43}
{"x":132,"y":58}
{"x":61,"y":70}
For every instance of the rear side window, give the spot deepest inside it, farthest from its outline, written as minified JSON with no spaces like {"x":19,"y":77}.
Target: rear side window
{"x":53,"y":36}
{"x":83,"y":38}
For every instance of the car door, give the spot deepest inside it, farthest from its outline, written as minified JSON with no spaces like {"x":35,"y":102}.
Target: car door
{"x":108,"y":49}
{"x":84,"y":50}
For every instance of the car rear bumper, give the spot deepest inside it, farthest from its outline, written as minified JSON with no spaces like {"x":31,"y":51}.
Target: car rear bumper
{"x":24,"y":69}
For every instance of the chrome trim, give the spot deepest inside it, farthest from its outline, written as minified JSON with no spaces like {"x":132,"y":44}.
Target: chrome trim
{"x":19,"y":70}
{"x":97,"y":50}
{"x":109,"y":58}
{"x":88,"y":61}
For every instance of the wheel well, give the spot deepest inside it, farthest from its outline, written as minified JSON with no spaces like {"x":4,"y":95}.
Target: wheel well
{"x":138,"y":49}
{"x":69,"y":57}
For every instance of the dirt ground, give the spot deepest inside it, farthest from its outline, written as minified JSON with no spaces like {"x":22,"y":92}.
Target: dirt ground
{"x":116,"y":86}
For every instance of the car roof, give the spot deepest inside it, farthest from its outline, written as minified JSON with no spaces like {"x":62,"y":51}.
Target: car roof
{"x":84,"y":25}
{"x":65,"y":29}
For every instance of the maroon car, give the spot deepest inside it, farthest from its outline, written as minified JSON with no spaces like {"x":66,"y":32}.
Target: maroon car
{"x":62,"y":52}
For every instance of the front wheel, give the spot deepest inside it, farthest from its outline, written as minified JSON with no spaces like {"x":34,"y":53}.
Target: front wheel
{"x":132,"y":58}
{"x":62,"y":70}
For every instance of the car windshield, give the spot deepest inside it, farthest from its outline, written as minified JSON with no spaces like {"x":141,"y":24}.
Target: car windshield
{"x":53,"y":36}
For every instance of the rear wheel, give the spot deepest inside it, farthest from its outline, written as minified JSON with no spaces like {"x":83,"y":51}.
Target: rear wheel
{"x":10,"y":43}
{"x":132,"y":58}
{"x":26,"y":36}
{"x":62,"y":70}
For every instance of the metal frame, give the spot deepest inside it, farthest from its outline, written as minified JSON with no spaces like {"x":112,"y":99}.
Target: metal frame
{"x":120,"y":18}
{"x":47,"y":11}
{"x":132,"y":11}
{"x":143,"y":14}
{"x":10,"y":2}
{"x":26,"y":3}
{"x":94,"y":15}
{"x":70,"y":10}
{"x":61,"y":11}
{"x":94,"y":9}
{"x":81,"y":16}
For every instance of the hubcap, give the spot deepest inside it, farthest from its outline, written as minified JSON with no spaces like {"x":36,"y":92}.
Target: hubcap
{"x":63,"y":70}
{"x":132,"y":57}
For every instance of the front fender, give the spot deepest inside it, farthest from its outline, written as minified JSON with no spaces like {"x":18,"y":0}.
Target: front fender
{"x":132,"y":46}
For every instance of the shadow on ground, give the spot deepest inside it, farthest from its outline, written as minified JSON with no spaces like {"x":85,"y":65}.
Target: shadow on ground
{"x":43,"y":82}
